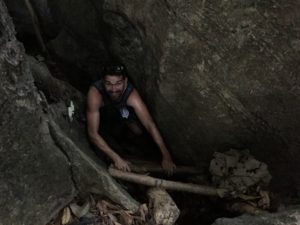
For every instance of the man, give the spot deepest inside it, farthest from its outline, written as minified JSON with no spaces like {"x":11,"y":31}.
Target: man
{"x":114,"y":91}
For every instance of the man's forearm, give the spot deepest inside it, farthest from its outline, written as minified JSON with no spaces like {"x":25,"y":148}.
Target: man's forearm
{"x":119,"y":163}
{"x":159,"y":141}
{"x":104,"y":147}
{"x":167,"y":162}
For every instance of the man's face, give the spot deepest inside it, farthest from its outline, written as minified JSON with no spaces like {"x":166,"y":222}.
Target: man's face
{"x":115,"y":86}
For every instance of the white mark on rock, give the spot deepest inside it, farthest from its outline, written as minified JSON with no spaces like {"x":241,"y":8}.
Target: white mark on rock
{"x":71,"y":111}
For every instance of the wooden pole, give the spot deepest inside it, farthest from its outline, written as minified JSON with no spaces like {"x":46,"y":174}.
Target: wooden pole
{"x":171,"y":185}
{"x":141,"y":166}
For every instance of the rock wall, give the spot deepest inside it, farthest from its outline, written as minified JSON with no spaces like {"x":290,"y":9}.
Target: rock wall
{"x":41,"y":168}
{"x":287,"y":216}
{"x":34,"y":174}
{"x":217,"y":75}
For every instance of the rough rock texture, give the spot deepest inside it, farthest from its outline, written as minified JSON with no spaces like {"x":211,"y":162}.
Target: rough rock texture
{"x":34,"y":175}
{"x":286,"y":217}
{"x":41,"y":168}
{"x":216,"y":75}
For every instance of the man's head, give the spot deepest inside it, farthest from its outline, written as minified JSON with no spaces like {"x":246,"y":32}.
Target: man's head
{"x":115,"y":80}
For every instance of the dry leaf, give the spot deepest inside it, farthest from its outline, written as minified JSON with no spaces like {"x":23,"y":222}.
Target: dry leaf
{"x":92,"y":201}
{"x":248,"y":197}
{"x":264,"y":202}
{"x":143,"y":211}
{"x":116,"y":223}
{"x":111,"y":206}
{"x":66,"y":217}
{"x":80,"y":211}
{"x":243,"y":207}
{"x":112,"y":217}
{"x":126,"y":218}
{"x":102,"y":207}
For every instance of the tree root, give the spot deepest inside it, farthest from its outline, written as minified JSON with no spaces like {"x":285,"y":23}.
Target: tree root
{"x":88,"y":175}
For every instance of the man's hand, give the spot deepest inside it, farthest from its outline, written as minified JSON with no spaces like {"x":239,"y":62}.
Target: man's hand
{"x":168,"y":165}
{"x":122,"y":164}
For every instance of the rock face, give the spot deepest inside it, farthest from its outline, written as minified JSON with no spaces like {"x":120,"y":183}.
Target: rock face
{"x":41,"y":168}
{"x":215,"y":75}
{"x":34,"y":174}
{"x":287,"y":217}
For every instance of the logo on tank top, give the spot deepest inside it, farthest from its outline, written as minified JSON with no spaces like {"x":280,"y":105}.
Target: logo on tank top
{"x":124,"y":113}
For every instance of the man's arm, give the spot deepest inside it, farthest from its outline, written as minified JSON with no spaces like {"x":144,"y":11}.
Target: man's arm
{"x":94,"y":101}
{"x":143,"y":114}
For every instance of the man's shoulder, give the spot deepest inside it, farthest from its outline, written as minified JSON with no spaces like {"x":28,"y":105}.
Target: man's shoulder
{"x":94,"y":99}
{"x":94,"y":93}
{"x":134,"y":98}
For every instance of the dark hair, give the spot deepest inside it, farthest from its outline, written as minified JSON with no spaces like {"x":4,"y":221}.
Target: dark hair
{"x":114,"y":69}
